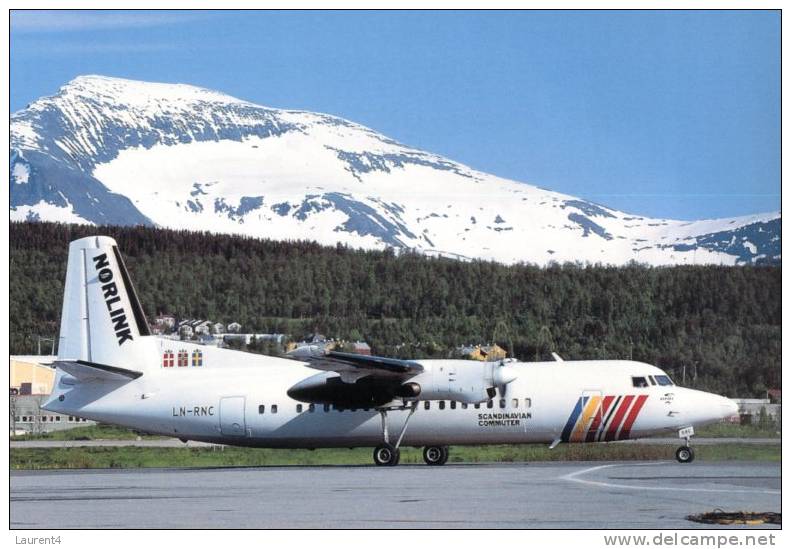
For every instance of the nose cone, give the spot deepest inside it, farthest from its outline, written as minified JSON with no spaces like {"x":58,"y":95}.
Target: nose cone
{"x":729,"y":408}
{"x":702,"y":408}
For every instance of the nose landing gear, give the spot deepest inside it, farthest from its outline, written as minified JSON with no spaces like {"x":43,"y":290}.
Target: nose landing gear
{"x":685,"y":454}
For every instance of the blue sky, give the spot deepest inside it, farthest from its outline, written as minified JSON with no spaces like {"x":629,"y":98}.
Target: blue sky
{"x":666,"y":114}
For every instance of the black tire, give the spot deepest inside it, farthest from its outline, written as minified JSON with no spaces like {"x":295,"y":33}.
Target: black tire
{"x":434,"y":455}
{"x":445,"y":454}
{"x":685,"y":454}
{"x":386,"y":454}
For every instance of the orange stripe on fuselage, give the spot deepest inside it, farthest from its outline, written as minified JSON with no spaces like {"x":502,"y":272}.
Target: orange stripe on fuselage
{"x":597,"y":419}
{"x":587,"y":413}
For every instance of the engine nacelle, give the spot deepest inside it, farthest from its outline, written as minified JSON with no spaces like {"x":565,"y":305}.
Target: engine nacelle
{"x":330,"y":388}
{"x":466,"y":381}
{"x":409,"y":389}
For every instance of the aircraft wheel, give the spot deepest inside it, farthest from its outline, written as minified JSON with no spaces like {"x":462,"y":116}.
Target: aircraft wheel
{"x":685,"y":454}
{"x":386,"y":454}
{"x":435,"y":455}
{"x":445,"y":454}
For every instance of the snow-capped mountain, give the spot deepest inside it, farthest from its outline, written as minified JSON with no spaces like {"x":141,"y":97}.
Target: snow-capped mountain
{"x":113,"y":151}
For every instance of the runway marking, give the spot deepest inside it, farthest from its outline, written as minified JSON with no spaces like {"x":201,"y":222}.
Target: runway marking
{"x":574,"y":477}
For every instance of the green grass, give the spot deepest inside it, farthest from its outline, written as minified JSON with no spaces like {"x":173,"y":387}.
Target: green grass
{"x":731,"y":430}
{"x":134,"y":457}
{"x":89,"y":432}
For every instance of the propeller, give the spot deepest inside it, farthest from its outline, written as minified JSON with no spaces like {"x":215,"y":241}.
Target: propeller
{"x":502,"y":375}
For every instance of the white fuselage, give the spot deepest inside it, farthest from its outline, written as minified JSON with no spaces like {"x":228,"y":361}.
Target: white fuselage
{"x":241,"y":399}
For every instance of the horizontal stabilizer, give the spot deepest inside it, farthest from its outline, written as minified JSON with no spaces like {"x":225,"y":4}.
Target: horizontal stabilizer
{"x":91,"y":371}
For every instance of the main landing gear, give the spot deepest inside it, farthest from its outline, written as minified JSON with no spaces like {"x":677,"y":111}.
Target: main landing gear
{"x":435,"y":455}
{"x":387,"y":454}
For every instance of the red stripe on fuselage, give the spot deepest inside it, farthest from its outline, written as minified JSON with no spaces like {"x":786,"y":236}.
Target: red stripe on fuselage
{"x":601,"y":414}
{"x":607,"y":418}
{"x":616,"y":421}
{"x":627,"y":426}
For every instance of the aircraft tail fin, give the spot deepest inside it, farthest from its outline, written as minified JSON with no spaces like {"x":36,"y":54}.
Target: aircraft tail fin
{"x":102,"y":320}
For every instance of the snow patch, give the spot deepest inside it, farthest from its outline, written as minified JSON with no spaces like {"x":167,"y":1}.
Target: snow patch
{"x":21,"y":173}
{"x":44,"y":211}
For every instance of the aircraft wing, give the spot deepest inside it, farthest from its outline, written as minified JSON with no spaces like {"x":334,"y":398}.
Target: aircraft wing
{"x":354,"y":365}
{"x":355,"y":381}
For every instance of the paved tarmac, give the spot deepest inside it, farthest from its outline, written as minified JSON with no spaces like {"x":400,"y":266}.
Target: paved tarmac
{"x":176,"y":443}
{"x":525,"y":495}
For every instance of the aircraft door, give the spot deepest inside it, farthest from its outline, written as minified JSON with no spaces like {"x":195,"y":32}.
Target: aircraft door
{"x":232,"y":416}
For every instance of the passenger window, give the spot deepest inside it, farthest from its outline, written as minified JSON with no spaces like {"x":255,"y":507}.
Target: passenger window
{"x":515,"y":403}
{"x":664,"y":381}
{"x":311,"y":408}
{"x":502,"y":403}
{"x":326,"y":407}
{"x":463,"y":405}
{"x":452,"y":404}
{"x":261,"y":409}
{"x":528,"y":403}
{"x":427,"y":405}
{"x":441,"y":404}
{"x":639,"y":382}
{"x":477,"y":405}
{"x":299,"y":408}
{"x":490,"y":404}
{"x":274,"y":408}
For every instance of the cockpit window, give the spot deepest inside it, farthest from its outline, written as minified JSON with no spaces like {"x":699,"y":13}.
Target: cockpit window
{"x":664,"y":380}
{"x":639,"y":382}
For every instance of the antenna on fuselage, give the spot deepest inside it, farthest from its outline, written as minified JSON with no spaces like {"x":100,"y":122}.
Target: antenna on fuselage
{"x":557,"y":357}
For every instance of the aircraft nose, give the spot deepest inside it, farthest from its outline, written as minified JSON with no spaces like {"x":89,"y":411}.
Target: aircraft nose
{"x":729,"y":408}
{"x":722,"y":407}
{"x":702,"y":408}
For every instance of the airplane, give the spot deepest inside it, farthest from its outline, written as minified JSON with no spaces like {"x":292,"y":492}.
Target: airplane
{"x":111,"y":369}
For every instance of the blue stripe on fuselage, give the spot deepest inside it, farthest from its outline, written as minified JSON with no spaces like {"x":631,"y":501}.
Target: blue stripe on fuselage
{"x":575,"y":414}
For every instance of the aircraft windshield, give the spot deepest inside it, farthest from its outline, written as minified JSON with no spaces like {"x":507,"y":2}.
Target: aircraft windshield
{"x":639,"y":382}
{"x":664,"y":380}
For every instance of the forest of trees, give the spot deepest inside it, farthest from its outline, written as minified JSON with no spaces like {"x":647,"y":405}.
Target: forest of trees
{"x":718,"y":327}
